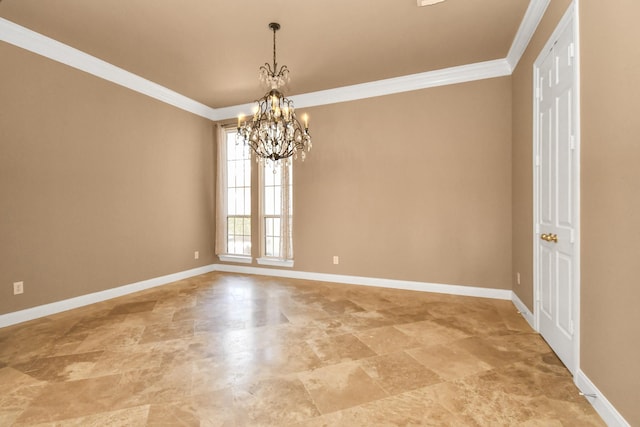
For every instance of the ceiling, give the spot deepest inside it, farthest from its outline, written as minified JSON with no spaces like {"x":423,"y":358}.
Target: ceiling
{"x":210,"y":50}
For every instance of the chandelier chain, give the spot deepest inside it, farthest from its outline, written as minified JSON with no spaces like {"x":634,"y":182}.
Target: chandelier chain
{"x":275,"y":64}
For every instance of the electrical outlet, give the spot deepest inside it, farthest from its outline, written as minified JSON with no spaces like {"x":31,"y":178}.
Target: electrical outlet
{"x":196,"y":255}
{"x":518,"y":277}
{"x":336,"y":259}
{"x":18,"y":288}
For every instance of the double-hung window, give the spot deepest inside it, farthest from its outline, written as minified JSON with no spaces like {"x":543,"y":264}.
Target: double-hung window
{"x":276,"y":213}
{"x":233,"y":199}
{"x":234,"y":214}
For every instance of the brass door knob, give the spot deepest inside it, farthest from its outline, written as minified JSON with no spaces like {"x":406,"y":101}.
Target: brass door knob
{"x":549,"y":237}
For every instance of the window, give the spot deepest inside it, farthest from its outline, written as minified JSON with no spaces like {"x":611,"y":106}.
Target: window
{"x":276,"y":206}
{"x":234,"y":199}
{"x":234,"y":240}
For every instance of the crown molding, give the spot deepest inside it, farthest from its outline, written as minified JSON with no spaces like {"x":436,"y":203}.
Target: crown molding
{"x":445,"y":76}
{"x":42,"y":45}
{"x":45,"y":46}
{"x":527,"y":29}
{"x":233,"y":111}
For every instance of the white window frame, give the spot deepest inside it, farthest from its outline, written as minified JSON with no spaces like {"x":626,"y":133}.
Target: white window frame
{"x":266,"y":167}
{"x":228,"y":256}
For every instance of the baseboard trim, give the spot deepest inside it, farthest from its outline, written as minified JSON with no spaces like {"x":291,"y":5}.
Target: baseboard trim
{"x":83,"y":300}
{"x":603,"y":407}
{"x":523,"y":309}
{"x":472,"y":291}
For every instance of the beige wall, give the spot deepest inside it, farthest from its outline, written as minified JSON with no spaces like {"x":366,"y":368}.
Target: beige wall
{"x":413,"y":186}
{"x":610,"y":185}
{"x":611,"y":201}
{"x":99,"y":186}
{"x":102,"y":186}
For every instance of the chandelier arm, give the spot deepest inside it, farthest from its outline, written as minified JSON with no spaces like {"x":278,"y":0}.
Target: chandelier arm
{"x":267,"y":69}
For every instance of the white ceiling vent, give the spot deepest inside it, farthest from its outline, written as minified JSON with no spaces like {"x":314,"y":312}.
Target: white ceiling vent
{"x":428,"y":2}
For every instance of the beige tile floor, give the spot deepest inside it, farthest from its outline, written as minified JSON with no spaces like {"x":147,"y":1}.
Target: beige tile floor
{"x":234,"y":350}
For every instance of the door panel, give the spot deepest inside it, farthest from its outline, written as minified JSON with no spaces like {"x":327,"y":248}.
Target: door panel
{"x":546,"y":268}
{"x":546,"y":193}
{"x":565,"y":169}
{"x":564,"y":296}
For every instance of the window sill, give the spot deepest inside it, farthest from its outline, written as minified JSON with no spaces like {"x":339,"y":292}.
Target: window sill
{"x":244,"y":259}
{"x":275,"y":262}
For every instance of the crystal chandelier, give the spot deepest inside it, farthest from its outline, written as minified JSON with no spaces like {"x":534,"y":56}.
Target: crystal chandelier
{"x":274,"y":132}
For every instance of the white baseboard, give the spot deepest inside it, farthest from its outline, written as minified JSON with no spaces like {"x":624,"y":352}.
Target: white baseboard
{"x":523,"y":309}
{"x":472,"y":291}
{"x":603,"y":407}
{"x":71,"y":303}
{"x":83,"y":300}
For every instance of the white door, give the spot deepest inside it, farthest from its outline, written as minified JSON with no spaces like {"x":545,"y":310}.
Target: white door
{"x":557,"y":201}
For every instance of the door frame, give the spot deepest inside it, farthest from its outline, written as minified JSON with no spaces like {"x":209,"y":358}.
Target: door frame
{"x":571,"y":17}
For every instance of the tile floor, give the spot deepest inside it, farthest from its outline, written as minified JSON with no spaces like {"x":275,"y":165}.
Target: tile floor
{"x":233,"y":350}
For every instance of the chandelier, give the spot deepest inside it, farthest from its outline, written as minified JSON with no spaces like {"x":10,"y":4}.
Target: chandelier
{"x":274,"y":132}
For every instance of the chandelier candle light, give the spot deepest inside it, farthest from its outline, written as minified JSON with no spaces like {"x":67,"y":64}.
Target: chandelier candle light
{"x":274,"y":131}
